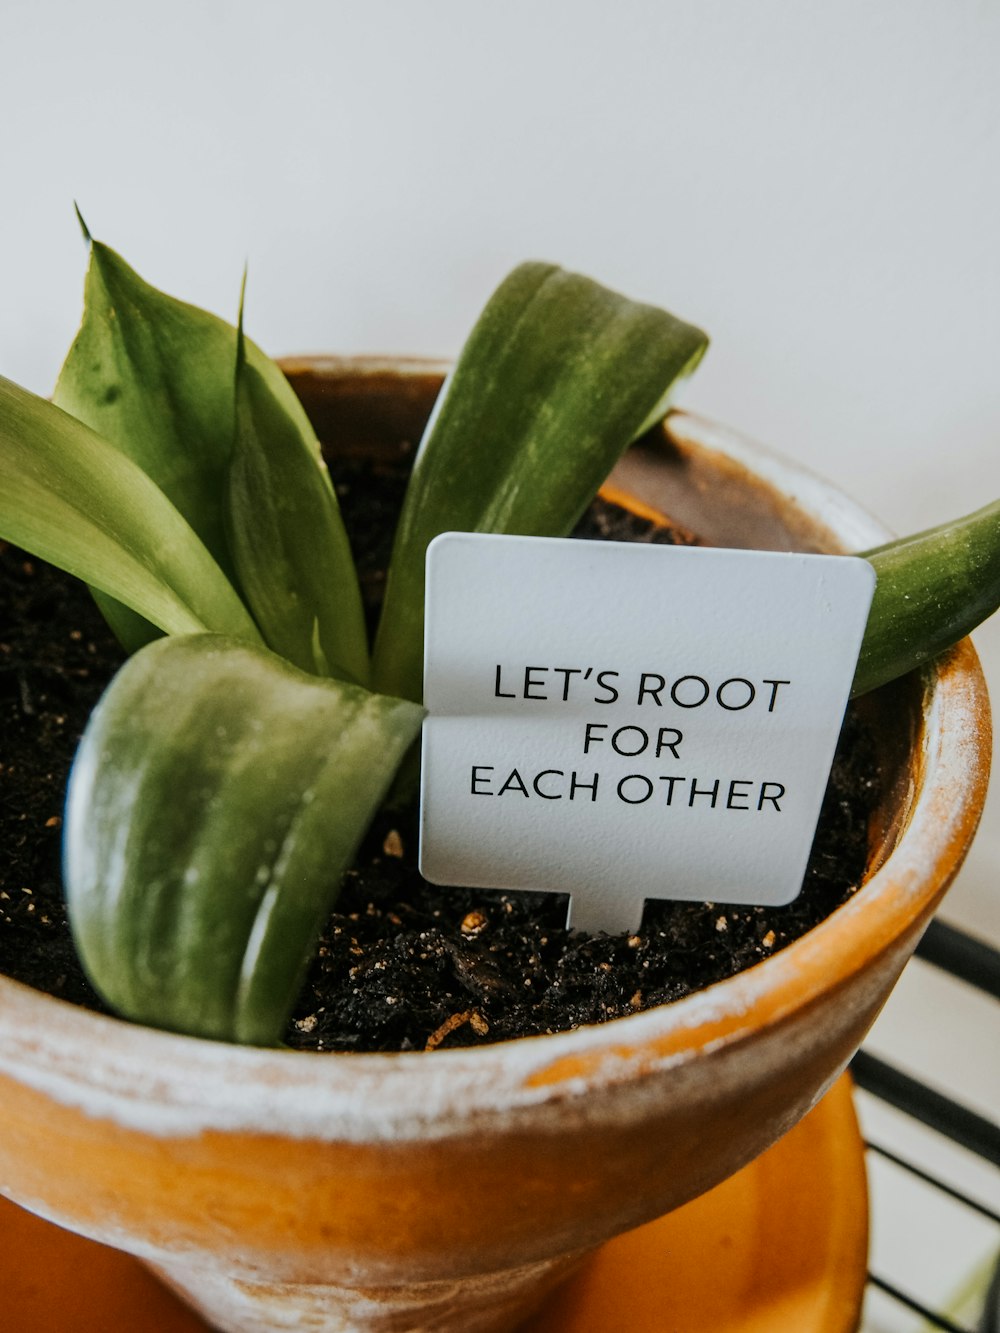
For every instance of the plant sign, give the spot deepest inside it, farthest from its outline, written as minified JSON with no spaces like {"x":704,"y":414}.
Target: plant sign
{"x":620,"y":721}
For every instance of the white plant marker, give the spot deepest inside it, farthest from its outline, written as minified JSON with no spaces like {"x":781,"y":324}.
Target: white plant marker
{"x":620,"y":721}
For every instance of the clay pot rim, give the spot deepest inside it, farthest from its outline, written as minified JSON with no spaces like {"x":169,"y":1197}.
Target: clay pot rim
{"x":169,"y":1083}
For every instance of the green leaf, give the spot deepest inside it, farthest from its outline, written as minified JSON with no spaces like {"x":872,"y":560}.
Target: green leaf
{"x":217,"y":797}
{"x":154,"y":376}
{"x":933,"y":588}
{"x":72,"y":498}
{"x":557,"y":377}
{"x":130,"y":629}
{"x":291,"y":552}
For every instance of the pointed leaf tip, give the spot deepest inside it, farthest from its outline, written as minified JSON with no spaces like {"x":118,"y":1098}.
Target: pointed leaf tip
{"x":83,"y":226}
{"x":241,"y":351}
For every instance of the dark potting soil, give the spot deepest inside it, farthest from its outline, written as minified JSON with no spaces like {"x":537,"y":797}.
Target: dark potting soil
{"x":403,"y":964}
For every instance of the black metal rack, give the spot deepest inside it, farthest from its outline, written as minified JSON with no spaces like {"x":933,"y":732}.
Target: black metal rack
{"x":977,"y":964}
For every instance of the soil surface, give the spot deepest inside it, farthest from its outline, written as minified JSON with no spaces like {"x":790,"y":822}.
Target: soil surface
{"x":402,"y":964}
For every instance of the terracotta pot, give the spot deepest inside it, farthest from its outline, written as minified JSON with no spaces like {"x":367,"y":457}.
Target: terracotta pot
{"x":450,"y":1191}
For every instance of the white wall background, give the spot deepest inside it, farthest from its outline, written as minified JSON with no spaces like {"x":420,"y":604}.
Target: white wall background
{"x":814,"y":183}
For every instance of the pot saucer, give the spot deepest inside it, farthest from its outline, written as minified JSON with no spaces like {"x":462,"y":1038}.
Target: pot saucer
{"x":780,"y":1247}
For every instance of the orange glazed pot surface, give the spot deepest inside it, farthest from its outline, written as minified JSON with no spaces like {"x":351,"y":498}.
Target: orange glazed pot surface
{"x":380,"y":1186}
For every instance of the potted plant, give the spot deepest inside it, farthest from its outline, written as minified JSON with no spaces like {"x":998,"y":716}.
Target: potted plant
{"x":402,"y":1191}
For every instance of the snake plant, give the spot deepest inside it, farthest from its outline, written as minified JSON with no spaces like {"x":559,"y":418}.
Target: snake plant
{"x":228,"y":774}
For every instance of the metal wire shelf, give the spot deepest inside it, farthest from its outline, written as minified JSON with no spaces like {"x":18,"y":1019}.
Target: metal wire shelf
{"x":978,"y":964}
